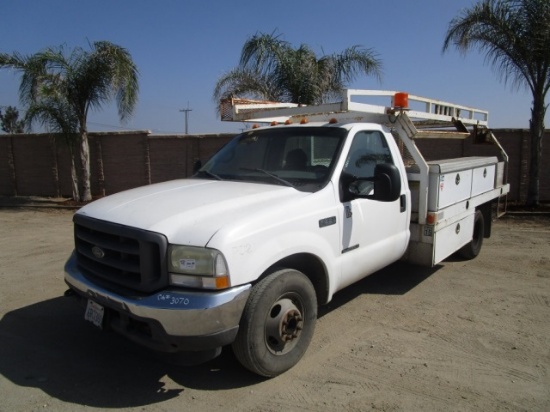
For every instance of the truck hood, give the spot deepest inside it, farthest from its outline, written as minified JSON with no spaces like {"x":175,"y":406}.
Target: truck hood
{"x":189,"y":211}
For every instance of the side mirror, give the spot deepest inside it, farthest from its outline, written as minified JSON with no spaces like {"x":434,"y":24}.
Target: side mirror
{"x":387,"y":182}
{"x":385,"y":186}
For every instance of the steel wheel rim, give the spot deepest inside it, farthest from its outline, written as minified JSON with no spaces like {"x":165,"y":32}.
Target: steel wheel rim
{"x":284,"y":325}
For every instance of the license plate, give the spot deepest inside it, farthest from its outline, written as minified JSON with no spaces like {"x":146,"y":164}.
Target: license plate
{"x":94,"y":313}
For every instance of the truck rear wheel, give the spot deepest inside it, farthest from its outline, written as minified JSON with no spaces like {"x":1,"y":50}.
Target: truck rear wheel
{"x":472,"y":249}
{"x":277,"y":323}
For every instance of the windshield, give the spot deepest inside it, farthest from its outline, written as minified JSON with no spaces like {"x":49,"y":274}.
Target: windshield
{"x":300,"y":157}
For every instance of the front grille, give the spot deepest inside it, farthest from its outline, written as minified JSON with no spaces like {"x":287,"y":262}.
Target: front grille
{"x":120,"y":255}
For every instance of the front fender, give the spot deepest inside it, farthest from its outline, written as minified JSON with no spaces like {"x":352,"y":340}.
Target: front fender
{"x":253,"y":248}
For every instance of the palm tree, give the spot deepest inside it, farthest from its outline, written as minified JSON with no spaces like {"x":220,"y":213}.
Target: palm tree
{"x":270,"y":68}
{"x":515,"y":37}
{"x":61,"y":87}
{"x":9,"y":121}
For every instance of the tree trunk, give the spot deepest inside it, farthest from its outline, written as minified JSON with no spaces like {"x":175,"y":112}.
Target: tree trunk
{"x":55,"y":167}
{"x":11,"y":164}
{"x":74,"y":178}
{"x":86,"y":195}
{"x":100,"y":171}
{"x":536,"y":127}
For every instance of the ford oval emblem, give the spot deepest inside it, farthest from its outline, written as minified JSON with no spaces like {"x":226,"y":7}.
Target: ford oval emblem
{"x":98,"y":252}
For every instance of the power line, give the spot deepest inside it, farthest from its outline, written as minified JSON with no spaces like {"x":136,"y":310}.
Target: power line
{"x":112,"y":126}
{"x":132,"y":129}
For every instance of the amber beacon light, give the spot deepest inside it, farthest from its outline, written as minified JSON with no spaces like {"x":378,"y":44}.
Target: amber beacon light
{"x":401,"y":100}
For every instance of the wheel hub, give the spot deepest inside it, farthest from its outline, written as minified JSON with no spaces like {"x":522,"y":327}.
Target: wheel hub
{"x":283,"y":327}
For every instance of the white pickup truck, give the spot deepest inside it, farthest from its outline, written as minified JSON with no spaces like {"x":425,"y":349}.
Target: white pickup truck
{"x":279,"y":220}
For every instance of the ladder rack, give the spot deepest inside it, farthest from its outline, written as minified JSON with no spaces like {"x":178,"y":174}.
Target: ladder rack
{"x":424,"y":112}
{"x":409,"y":118}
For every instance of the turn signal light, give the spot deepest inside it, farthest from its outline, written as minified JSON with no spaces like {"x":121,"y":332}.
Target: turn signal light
{"x":222,"y":282}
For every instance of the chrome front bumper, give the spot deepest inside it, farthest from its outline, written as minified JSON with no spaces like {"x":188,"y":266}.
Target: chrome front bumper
{"x":171,"y":320}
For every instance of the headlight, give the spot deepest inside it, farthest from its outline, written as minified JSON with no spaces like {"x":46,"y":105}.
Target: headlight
{"x":197,"y":267}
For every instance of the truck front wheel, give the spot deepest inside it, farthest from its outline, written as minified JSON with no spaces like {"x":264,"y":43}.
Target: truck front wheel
{"x":472,"y":249}
{"x":277,"y":323}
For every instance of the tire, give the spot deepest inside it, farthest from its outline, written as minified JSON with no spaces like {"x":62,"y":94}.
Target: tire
{"x":472,"y":249}
{"x":277,"y":323}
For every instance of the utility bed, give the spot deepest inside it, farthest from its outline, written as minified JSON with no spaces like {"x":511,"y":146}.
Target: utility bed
{"x":445,"y":194}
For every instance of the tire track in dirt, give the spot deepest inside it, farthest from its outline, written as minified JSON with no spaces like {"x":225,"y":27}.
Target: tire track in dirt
{"x":327,"y":344}
{"x":466,"y":336}
{"x":538,"y":299}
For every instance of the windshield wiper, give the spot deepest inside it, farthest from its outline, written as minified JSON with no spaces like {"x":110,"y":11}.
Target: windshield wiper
{"x":210,"y":174}
{"x":272,"y":175}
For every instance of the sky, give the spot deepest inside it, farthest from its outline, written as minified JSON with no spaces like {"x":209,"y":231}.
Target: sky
{"x":182,"y":48}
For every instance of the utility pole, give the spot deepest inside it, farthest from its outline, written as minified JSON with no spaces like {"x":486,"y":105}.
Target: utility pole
{"x":186,"y":111}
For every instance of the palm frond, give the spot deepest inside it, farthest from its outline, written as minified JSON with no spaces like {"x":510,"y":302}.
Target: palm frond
{"x":270,"y":66}
{"x":513,"y":35}
{"x":244,"y":83}
{"x":57,"y":117}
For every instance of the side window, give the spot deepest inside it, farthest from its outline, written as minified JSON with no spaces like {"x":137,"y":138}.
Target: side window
{"x":368,"y":149}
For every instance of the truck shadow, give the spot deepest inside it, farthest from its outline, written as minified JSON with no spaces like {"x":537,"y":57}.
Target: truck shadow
{"x":49,"y":346}
{"x":395,"y":279}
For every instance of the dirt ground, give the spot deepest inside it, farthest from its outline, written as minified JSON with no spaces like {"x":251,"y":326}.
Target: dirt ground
{"x":465,"y":335}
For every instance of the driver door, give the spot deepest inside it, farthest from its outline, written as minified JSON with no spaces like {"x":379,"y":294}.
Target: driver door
{"x":374,"y":233}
